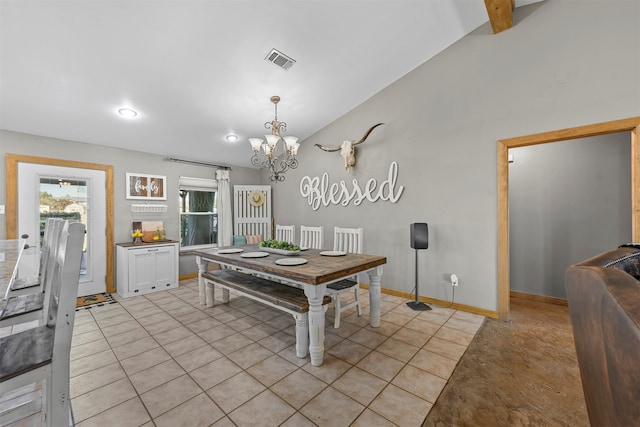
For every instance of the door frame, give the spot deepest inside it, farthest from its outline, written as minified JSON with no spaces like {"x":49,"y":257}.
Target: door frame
{"x":12,"y":200}
{"x":625,"y":125}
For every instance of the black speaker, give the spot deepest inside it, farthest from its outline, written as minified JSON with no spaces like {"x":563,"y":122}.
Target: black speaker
{"x":419,"y":235}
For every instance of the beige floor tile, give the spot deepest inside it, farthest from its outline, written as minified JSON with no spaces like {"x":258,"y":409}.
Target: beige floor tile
{"x":468,"y":317}
{"x":259,"y":331}
{"x":298,"y":388}
{"x":332,"y":408}
{"x":345,"y":330}
{"x":381,"y":365}
{"x":398,"y":349}
{"x":157,"y":375}
{"x":146,"y":311}
{"x":244,"y":323}
{"x":197,"y":358}
{"x":402,"y":407}
{"x":454,"y":335}
{"x":192,"y":317}
{"x":156,"y":328}
{"x":136,"y":347}
{"x":199,"y":411}
{"x":169,"y":395}
{"x":84,"y":383}
{"x":171,"y":335}
{"x":134,"y":334}
{"x":412,"y":337}
{"x":86,"y":327}
{"x":216,"y":334}
{"x":231,"y":343}
{"x":349,"y":351}
{"x":297,"y":420}
{"x":90,"y":348}
{"x":385,"y":328}
{"x":463,"y":325}
{"x":360,"y":321}
{"x":271,"y":370}
{"x":282,"y":321}
{"x":120,"y":328}
{"x":290,"y":354}
{"x":421,"y":383}
{"x":94,"y":361}
{"x":78,"y":338}
{"x":266,"y":315}
{"x":445,"y":348}
{"x":235,"y":391}
{"x":159,"y":317}
{"x":203,"y":324}
{"x":423,"y":326}
{"x":434,"y":317}
{"x":101,"y":399}
{"x":331,"y":368}
{"x":434,"y":363}
{"x":250,"y":355}
{"x":368,"y":338}
{"x":215,"y":372}
{"x":224,"y":422}
{"x":369,"y":418}
{"x":184,"y":345}
{"x":265,"y":409}
{"x":145,"y":360}
{"x":278,"y":341}
{"x":131,"y":413}
{"x":360,"y":385}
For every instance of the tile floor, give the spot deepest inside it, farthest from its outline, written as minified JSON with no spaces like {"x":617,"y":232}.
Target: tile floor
{"x":165,"y":360}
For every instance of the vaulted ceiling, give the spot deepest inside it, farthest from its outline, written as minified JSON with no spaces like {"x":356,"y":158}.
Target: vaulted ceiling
{"x":195,"y":71}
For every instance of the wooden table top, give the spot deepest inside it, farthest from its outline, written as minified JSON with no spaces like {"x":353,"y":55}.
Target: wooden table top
{"x":318,"y":269}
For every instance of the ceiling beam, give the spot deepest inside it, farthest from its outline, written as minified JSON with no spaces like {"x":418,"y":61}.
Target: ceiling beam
{"x":500,"y":14}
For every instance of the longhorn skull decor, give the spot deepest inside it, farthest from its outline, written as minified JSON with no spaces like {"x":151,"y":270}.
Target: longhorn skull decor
{"x":348,"y":148}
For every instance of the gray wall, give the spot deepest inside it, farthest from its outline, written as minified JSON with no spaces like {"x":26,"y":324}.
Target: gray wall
{"x":568,"y":201}
{"x":563,"y":64}
{"x":123,"y":161}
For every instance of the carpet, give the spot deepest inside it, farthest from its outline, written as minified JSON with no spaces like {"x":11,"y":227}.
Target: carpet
{"x":519,"y":373}
{"x":95,"y":300}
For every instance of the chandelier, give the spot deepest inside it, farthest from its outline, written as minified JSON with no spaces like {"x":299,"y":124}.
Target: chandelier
{"x":278,"y":152}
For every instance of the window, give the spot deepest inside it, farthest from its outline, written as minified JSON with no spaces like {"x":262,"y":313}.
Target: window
{"x":198,"y":212}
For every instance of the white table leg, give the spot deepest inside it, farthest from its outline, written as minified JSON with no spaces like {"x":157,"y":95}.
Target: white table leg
{"x":203,"y":264}
{"x":302,"y":335}
{"x":315,"y":295}
{"x":375,"y":278}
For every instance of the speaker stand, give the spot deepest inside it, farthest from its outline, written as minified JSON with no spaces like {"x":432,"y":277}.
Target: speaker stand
{"x":417,"y":305}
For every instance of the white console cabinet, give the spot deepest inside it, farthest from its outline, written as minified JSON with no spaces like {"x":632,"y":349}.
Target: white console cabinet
{"x":145,"y":268}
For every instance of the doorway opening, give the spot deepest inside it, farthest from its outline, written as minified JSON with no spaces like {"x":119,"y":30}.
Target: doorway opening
{"x":12,"y":167}
{"x":631,"y":125}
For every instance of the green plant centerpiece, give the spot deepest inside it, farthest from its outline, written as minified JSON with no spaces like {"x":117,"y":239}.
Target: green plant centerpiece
{"x":279,"y":244}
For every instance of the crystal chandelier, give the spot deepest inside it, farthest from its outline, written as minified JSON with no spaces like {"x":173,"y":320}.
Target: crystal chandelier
{"x":274,"y":147}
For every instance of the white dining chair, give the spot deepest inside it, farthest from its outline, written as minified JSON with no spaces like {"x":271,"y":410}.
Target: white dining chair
{"x":311,"y":237}
{"x":286,"y":233}
{"x":43,"y":353}
{"x":25,"y":308}
{"x":346,"y":240}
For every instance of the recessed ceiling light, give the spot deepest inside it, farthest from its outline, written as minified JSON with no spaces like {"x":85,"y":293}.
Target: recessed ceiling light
{"x":232,"y":138}
{"x":127,"y":113}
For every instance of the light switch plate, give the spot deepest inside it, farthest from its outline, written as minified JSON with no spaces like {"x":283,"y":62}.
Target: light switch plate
{"x":1,"y":209}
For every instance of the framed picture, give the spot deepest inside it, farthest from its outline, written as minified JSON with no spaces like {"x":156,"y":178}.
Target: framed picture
{"x":146,"y":187}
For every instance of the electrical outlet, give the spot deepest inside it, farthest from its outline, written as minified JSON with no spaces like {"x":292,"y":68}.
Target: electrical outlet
{"x":454,"y":280}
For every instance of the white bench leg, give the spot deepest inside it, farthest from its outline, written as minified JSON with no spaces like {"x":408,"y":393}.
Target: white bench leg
{"x":225,"y":295}
{"x":302,"y":335}
{"x":202,"y":268}
{"x":211,"y":288}
{"x":337,"y":309}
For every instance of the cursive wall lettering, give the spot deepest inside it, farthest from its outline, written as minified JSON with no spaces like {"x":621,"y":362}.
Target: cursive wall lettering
{"x":318,"y":191}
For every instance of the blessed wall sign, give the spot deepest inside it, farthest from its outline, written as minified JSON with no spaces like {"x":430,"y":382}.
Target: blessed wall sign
{"x":319,"y":192}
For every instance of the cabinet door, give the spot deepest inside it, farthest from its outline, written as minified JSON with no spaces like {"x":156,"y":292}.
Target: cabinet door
{"x":165,"y":267}
{"x":142,"y":266}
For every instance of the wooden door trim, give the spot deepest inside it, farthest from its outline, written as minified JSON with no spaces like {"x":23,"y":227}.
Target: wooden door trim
{"x":625,"y":125}
{"x":12,"y":199}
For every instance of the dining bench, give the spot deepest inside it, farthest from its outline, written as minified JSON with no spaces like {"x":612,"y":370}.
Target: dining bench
{"x":277,"y":295}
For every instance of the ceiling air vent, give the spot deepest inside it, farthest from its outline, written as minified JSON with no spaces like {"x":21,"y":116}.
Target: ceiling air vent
{"x":280,"y":59}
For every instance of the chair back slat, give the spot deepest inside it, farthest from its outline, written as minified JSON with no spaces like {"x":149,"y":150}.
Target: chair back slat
{"x":286,"y":233}
{"x":348,"y":239}
{"x":311,"y":237}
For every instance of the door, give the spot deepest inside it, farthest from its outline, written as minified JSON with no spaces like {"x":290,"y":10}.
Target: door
{"x":69,"y":193}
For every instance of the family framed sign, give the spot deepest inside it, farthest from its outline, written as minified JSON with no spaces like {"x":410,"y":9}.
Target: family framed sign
{"x":146,"y":187}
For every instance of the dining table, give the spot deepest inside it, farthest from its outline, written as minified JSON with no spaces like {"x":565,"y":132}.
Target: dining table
{"x":11,"y":251}
{"x":311,"y":269}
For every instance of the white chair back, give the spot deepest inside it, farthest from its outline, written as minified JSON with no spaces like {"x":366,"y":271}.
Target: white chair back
{"x":311,"y":237}
{"x":348,"y":239}
{"x":286,"y":233}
